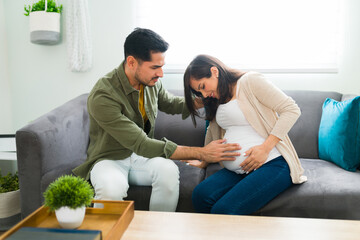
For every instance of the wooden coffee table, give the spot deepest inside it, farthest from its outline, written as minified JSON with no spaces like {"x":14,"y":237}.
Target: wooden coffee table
{"x":164,"y":225}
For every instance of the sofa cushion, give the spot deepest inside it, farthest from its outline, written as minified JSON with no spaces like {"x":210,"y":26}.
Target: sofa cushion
{"x":339,"y":133}
{"x":330,"y":192}
{"x":304,"y":133}
{"x":181,"y":131}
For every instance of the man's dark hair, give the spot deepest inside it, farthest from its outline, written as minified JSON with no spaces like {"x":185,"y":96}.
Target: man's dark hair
{"x":142,"y":42}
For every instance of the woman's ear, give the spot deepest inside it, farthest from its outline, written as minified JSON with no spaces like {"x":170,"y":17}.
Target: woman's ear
{"x":214,"y":71}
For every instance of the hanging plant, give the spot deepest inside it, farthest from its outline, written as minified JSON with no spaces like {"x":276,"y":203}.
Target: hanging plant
{"x":40,"y":6}
{"x":44,"y":21}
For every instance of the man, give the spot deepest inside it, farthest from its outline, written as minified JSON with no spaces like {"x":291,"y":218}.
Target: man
{"x":122,"y":108}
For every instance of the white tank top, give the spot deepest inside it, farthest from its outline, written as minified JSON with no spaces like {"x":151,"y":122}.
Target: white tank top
{"x":238,"y":130}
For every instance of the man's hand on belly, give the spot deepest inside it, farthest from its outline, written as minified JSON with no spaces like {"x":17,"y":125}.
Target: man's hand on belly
{"x":218,"y":150}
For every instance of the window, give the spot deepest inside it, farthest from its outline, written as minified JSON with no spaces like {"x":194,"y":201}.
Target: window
{"x":262,"y":35}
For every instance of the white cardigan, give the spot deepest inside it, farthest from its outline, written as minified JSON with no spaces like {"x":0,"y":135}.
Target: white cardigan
{"x":269,"y":111}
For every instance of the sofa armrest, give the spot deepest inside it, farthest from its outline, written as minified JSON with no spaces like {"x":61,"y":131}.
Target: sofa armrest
{"x":29,"y":169}
{"x":49,"y":147}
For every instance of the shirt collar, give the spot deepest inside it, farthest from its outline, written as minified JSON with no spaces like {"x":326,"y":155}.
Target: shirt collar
{"x":123,"y":79}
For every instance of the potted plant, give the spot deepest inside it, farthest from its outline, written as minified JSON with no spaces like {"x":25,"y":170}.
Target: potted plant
{"x":68,"y":196}
{"x":10,"y":200}
{"x":44,"y":21}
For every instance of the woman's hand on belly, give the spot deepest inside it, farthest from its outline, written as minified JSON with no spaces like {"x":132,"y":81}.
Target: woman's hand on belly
{"x":257,"y":156}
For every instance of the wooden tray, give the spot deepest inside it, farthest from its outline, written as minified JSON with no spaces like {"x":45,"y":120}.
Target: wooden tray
{"x":112,"y":220}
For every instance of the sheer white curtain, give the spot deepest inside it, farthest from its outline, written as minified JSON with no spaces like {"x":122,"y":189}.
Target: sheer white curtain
{"x":79,"y":44}
{"x":271,"y":36}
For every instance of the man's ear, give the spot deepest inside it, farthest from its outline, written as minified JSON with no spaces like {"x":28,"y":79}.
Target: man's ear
{"x":214,"y":71}
{"x":131,"y":62}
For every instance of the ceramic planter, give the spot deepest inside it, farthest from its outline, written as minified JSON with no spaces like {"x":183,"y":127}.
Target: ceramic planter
{"x":70,"y":218}
{"x":10,"y":211}
{"x":44,"y":27}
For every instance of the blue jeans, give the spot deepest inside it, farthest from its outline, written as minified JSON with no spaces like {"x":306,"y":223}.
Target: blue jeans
{"x":226,"y":192}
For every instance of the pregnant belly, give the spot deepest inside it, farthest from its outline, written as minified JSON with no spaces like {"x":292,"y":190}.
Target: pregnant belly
{"x":232,"y":137}
{"x":235,"y":165}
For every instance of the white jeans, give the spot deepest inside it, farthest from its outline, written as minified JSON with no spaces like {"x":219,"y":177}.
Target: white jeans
{"x":111,"y":179}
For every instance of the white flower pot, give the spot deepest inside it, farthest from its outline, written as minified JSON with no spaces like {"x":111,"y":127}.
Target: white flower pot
{"x":70,"y":218}
{"x":44,"y":27}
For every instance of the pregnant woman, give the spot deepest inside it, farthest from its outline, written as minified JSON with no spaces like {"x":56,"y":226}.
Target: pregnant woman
{"x":243,"y":108}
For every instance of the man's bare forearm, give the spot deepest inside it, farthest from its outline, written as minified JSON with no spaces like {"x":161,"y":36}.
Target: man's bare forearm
{"x":215,"y":151}
{"x":185,"y":153}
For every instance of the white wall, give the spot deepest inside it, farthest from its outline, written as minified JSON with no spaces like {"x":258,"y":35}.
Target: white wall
{"x":41,"y":80}
{"x":5,"y":89}
{"x":40,"y":76}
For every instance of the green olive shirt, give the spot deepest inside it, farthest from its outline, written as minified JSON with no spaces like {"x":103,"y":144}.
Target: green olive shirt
{"x":117,"y":128}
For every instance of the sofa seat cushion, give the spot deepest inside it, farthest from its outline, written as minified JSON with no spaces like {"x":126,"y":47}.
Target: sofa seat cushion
{"x":60,"y":170}
{"x":330,"y":192}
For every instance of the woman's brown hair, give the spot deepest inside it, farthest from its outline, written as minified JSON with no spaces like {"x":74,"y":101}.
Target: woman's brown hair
{"x":200,"y":68}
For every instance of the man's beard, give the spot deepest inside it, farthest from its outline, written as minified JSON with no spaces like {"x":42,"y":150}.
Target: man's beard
{"x":143,"y":82}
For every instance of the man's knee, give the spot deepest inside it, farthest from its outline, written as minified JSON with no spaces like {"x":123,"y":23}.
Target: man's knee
{"x":106,"y":188}
{"x":166,"y":167}
{"x":114,"y":191}
{"x":166,"y":173}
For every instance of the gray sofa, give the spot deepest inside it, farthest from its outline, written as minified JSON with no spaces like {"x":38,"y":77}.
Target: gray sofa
{"x":55,"y":143}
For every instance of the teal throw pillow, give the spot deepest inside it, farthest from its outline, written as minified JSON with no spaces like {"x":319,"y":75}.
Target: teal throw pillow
{"x":339,"y":133}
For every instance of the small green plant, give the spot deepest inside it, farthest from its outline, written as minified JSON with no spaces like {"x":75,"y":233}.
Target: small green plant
{"x":9,"y":182}
{"x":69,"y":191}
{"x":40,"y":6}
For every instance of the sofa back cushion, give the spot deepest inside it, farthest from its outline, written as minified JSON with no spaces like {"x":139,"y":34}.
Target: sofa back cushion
{"x":180,"y":131}
{"x":304,"y":134}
